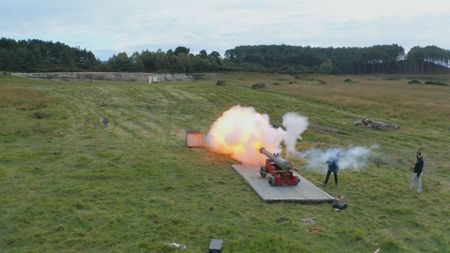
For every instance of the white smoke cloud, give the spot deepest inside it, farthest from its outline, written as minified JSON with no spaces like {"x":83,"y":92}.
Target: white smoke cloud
{"x":295,"y":125}
{"x":351,"y":158}
{"x":241,"y":132}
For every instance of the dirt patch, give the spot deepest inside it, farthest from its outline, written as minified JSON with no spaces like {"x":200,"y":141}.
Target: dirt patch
{"x":39,"y":115}
{"x":22,"y":99}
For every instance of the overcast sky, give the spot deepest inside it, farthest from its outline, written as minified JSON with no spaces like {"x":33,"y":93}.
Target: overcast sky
{"x":108,"y":26}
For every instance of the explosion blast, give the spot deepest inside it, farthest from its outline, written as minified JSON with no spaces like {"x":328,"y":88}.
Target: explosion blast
{"x":241,"y":131}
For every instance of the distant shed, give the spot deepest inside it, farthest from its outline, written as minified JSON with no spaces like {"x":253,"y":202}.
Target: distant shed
{"x":195,"y":139}
{"x":153,"y":79}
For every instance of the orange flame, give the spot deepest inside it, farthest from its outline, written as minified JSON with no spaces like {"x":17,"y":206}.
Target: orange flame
{"x":241,"y":132}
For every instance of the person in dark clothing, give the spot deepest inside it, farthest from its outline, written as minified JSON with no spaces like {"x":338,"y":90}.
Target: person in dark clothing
{"x":332,"y":167}
{"x":417,"y":172}
{"x":340,"y":203}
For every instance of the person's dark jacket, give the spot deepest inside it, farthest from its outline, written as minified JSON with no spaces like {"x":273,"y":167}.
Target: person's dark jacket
{"x":418,"y":167}
{"x":332,"y":165}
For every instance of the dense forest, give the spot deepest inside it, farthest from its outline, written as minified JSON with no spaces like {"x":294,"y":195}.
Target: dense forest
{"x":38,"y":55}
{"x":349,"y":60}
{"x":178,"y":60}
{"x":44,"y":56}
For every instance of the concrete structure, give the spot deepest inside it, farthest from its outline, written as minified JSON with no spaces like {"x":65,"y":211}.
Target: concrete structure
{"x":305,"y":191}
{"x":152,"y":79}
{"x":111,"y":76}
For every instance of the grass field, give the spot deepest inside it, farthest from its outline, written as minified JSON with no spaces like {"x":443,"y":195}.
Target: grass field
{"x":102,"y":167}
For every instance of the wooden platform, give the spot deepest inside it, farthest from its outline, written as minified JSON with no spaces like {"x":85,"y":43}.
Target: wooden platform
{"x":305,"y":191}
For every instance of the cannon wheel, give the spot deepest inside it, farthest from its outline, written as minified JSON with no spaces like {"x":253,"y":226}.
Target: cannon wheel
{"x":272,"y":181}
{"x":263,"y":172}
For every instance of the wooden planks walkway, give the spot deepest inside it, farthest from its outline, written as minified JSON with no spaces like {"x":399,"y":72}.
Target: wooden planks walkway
{"x":305,"y":191}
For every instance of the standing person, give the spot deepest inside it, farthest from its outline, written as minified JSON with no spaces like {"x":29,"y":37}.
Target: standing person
{"x":417,"y":173}
{"x":332,"y":167}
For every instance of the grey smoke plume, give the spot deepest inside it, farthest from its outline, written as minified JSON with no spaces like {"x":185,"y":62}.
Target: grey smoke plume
{"x":351,"y":158}
{"x":295,"y":125}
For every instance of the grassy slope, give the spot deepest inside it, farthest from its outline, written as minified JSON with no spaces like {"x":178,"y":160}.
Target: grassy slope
{"x":67,"y":183}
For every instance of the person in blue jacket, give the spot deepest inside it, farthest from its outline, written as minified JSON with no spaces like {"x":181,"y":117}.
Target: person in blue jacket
{"x":417,"y":172}
{"x":332,"y":167}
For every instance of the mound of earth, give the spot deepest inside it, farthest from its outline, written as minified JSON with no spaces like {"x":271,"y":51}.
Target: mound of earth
{"x":377,"y":125}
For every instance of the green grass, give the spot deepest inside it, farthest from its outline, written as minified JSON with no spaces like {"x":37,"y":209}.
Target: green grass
{"x":70,"y":184}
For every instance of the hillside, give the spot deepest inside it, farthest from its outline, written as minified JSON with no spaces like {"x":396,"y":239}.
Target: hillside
{"x":102,"y":166}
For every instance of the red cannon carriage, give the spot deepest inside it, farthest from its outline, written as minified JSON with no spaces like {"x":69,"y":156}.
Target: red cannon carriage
{"x":277,"y":170}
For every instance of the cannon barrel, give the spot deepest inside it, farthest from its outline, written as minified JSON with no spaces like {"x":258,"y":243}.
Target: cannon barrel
{"x":281,"y":163}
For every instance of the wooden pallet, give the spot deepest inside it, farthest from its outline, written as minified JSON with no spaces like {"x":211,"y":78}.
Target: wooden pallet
{"x":305,"y":191}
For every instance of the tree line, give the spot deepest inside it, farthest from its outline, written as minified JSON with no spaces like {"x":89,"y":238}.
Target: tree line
{"x":178,"y":60}
{"x":346,"y":60}
{"x":38,"y":55}
{"x":45,"y":56}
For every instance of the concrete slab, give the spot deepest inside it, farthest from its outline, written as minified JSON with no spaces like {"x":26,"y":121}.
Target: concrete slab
{"x":305,"y":191}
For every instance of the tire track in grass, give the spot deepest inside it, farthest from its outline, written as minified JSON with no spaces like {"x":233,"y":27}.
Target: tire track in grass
{"x":135,"y":113}
{"x":168,"y":97}
{"x":150,"y":129}
{"x":180,"y":112}
{"x":82,"y":103}
{"x":183,"y":94}
{"x":138,"y":121}
{"x":77,"y":109}
{"x":135,"y":130}
{"x":123,"y":108}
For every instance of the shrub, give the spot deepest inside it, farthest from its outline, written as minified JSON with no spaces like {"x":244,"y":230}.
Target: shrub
{"x":220,"y":82}
{"x":39,"y":115}
{"x":321,"y":81}
{"x":414,"y":81}
{"x":436,"y":83}
{"x":258,"y":86}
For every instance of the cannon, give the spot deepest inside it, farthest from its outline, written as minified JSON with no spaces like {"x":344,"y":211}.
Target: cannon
{"x":277,"y":170}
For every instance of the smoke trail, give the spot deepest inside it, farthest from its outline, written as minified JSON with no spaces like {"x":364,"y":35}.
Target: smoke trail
{"x":241,"y":132}
{"x":352,"y":158}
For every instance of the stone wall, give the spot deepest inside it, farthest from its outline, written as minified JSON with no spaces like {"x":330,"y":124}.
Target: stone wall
{"x":110,"y":76}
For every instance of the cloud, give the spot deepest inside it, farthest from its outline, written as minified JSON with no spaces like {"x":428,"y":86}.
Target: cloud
{"x":135,"y":25}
